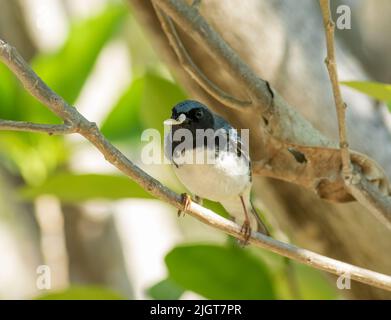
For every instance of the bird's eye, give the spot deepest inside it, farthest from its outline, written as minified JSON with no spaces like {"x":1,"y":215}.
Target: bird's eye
{"x":199,"y":114}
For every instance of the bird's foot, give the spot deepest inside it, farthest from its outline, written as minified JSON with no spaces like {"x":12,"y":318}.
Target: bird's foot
{"x":186,"y":201}
{"x":246,"y":231}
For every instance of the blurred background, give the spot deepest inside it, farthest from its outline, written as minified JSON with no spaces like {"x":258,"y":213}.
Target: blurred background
{"x":62,"y":205}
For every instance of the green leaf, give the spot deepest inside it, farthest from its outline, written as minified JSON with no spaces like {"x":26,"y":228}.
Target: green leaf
{"x":143,"y":56}
{"x":146,"y":104}
{"x":74,"y":188}
{"x":218,"y":272}
{"x":8,"y":91}
{"x":64,"y":71}
{"x":34,"y":156}
{"x":82,"y":293}
{"x":298,"y":281}
{"x":165,"y":290}
{"x":379,"y":91}
{"x":67,"y":70}
{"x":215,"y":207}
{"x":314,"y":285}
{"x":124,"y":121}
{"x":159,"y":96}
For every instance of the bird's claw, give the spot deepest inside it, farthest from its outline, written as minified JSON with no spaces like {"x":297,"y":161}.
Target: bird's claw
{"x":246,"y":231}
{"x":186,"y":201}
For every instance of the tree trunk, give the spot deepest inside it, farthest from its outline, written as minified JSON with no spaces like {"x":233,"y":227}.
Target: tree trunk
{"x":13,"y":28}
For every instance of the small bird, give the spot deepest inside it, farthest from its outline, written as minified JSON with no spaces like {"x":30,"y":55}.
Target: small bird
{"x":218,"y":168}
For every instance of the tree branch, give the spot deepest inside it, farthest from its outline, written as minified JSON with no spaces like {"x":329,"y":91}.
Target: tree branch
{"x":193,"y":70}
{"x":36,"y":127}
{"x":90,"y":131}
{"x":371,"y":198}
{"x":340,"y":105}
{"x":33,"y":84}
{"x":188,"y":18}
{"x":357,"y":185}
{"x":282,"y":126}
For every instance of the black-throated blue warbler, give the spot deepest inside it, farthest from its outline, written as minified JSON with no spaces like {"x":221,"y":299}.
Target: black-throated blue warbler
{"x":210,"y":160}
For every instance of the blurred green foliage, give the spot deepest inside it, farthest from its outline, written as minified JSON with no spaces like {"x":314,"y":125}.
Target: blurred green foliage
{"x":159,"y":96}
{"x":220,"y":272}
{"x":166,"y":289}
{"x":8,"y":93}
{"x":82,"y":293}
{"x":379,"y":91}
{"x":232,"y":272}
{"x":146,"y":104}
{"x":70,"y":187}
{"x":123,"y":123}
{"x":65,"y":71}
{"x":212,"y":271}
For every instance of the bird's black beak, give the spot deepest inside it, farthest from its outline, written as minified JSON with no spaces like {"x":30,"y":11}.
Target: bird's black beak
{"x":174,"y":122}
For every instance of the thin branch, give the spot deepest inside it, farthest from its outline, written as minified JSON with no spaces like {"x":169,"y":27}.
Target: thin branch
{"x":271,"y":104}
{"x":355,"y":183}
{"x":371,"y":198}
{"x":340,"y":105}
{"x":33,"y":84}
{"x":193,"y":70}
{"x":36,"y":127}
{"x":189,"y":19}
{"x":91,"y":132}
{"x":290,"y":251}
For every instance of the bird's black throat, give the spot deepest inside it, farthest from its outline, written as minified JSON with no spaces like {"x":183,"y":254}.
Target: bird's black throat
{"x":204,"y":128}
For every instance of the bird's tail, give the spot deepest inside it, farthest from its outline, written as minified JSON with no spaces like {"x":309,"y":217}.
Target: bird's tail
{"x":261,"y":227}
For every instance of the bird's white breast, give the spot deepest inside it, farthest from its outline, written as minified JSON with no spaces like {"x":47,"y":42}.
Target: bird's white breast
{"x":227,"y":177}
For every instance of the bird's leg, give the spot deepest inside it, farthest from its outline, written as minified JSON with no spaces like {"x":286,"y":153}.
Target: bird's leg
{"x":186,"y":200}
{"x":246,"y":228}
